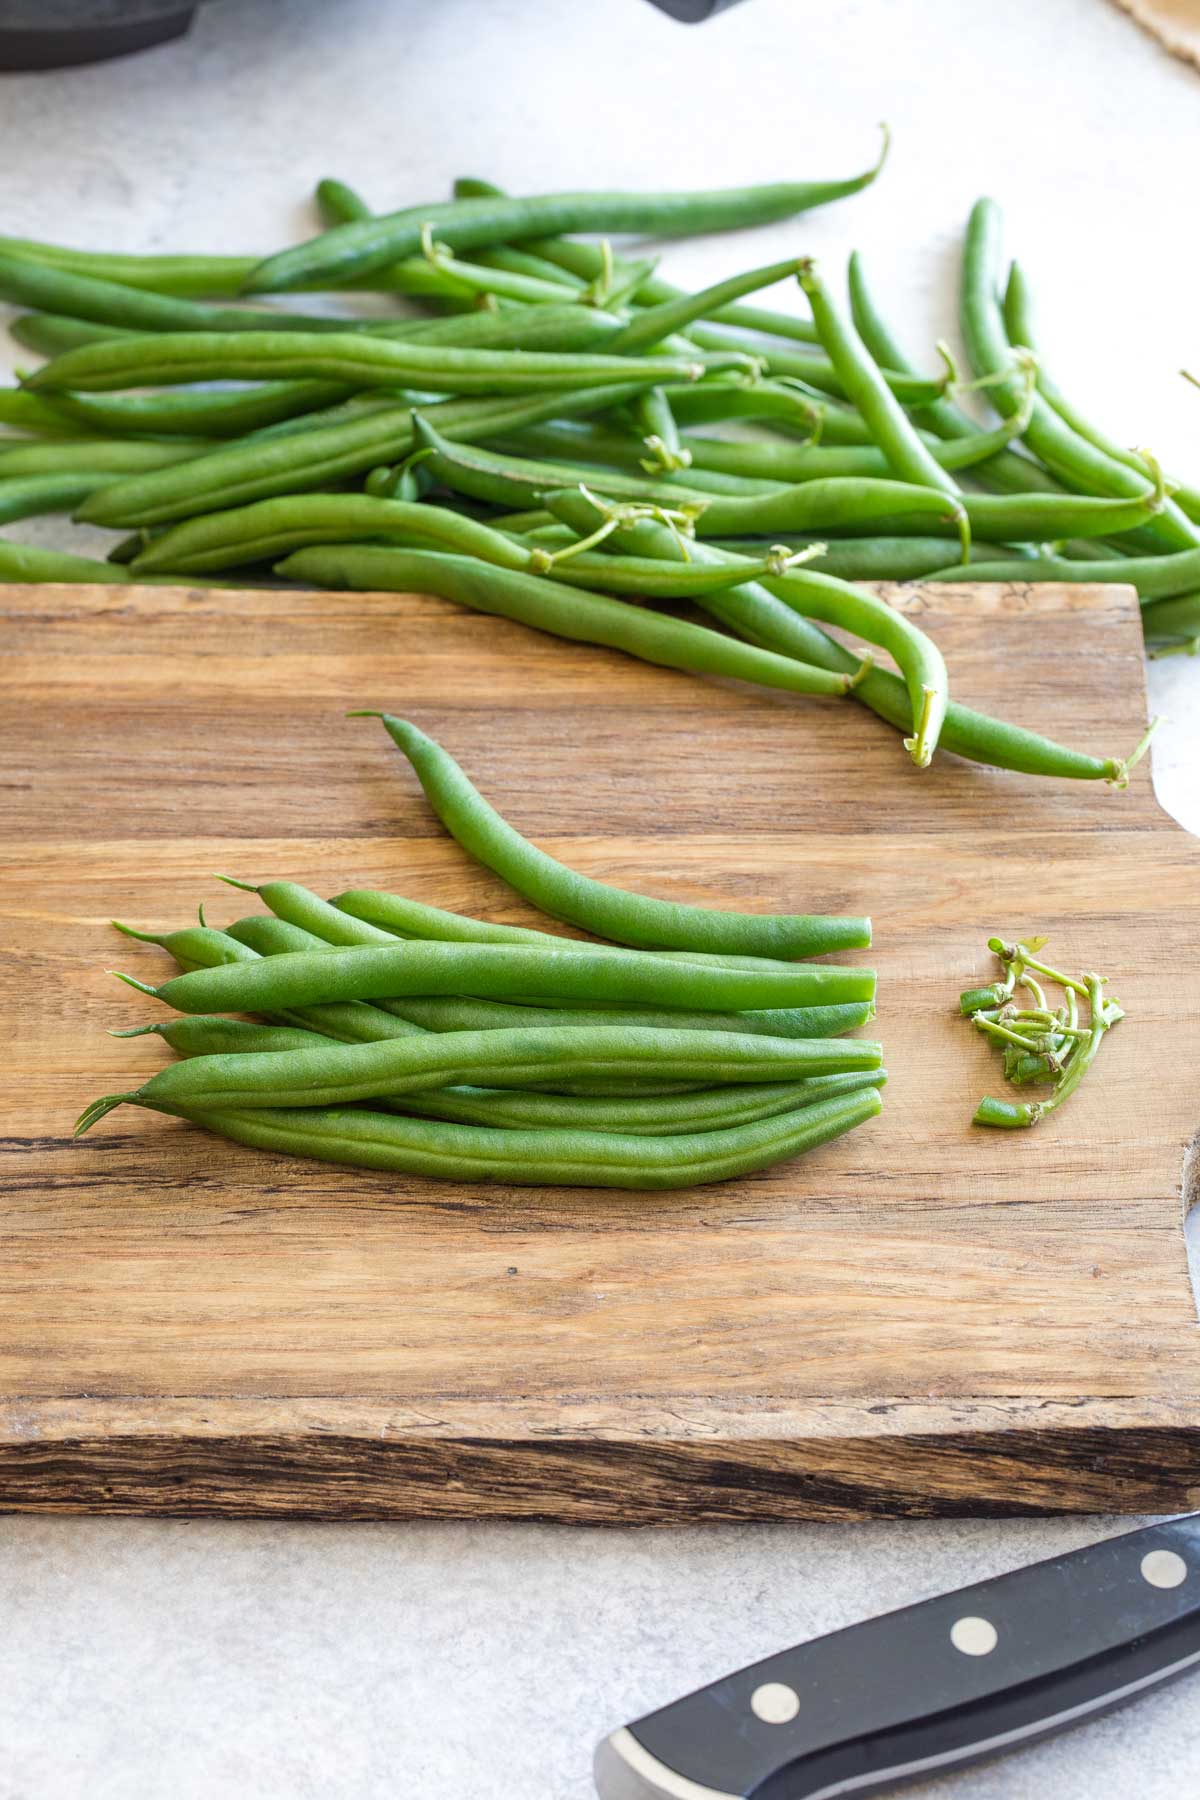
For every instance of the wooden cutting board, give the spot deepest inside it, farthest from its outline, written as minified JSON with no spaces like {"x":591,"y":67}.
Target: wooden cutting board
{"x":924,"y":1318}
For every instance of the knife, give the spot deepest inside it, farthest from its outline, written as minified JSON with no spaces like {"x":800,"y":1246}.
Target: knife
{"x":952,"y":1680}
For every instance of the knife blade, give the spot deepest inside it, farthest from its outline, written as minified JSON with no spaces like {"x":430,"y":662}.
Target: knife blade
{"x":948,"y":1681}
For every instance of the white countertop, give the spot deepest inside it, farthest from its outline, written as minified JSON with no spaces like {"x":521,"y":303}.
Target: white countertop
{"x":267,"y":1662}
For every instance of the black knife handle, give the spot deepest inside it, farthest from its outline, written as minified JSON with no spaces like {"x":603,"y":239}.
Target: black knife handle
{"x":693,"y":12}
{"x":964,"y":1676}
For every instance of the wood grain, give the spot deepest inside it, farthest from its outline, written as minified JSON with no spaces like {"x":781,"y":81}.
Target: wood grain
{"x":923,"y":1318}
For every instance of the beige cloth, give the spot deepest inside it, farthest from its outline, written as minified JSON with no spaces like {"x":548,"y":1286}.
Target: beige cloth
{"x":1175,"y":23}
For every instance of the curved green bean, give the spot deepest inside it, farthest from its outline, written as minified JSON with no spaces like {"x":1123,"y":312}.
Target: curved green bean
{"x":554,"y":607}
{"x":365,"y":1139}
{"x":1006,"y":470}
{"x":1064,"y":452}
{"x":976,"y":736}
{"x":361,"y":247}
{"x":610,"y":912}
{"x":822,"y":597}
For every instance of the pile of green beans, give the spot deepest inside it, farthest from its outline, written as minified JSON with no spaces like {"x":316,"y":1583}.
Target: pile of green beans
{"x":551,"y":432}
{"x":695,"y":1044}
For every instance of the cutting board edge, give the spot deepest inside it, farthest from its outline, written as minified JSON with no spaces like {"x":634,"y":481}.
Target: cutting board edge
{"x":348,"y":1459}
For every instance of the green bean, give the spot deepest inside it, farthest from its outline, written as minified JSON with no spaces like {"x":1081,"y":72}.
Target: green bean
{"x":819,"y":372}
{"x":552,"y":606}
{"x":210,"y":277}
{"x":228,"y":412}
{"x":518,"y":971}
{"x":362,"y":247}
{"x":256,"y":467}
{"x":702,"y":1109}
{"x":27,"y":282}
{"x":29,"y":412}
{"x":275,"y":935}
{"x":864,"y":384}
{"x":508,"y":258}
{"x":1006,"y":470}
{"x":506,"y":284}
{"x":364,"y":916}
{"x":269,"y":528}
{"x":789,"y":463}
{"x":37,"y":494}
{"x":586,"y":262}
{"x":1018,"y":319}
{"x":1177,"y":617}
{"x":654,"y":323}
{"x":1040,"y":518}
{"x":216,"y":1036}
{"x":345,"y":356}
{"x":784,"y":403}
{"x":189,"y":275}
{"x":506,"y":480}
{"x":1063,"y":451}
{"x":806,"y":506}
{"x":976,"y":736}
{"x":224,"y":412}
{"x":49,"y":334}
{"x":893,"y":558}
{"x":338,"y":202}
{"x":365,"y":1139}
{"x":660,"y":450}
{"x":610,"y":912}
{"x":1154,"y":577}
{"x":358,"y":1022}
{"x":28,"y":562}
{"x":338,"y":1074}
{"x":111,"y":456}
{"x":838,"y":603}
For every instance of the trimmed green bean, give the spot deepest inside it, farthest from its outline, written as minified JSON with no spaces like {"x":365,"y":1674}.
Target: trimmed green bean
{"x":360,"y":248}
{"x":700,"y":1109}
{"x":385,"y":1141}
{"x":339,"y":1074}
{"x":610,"y":912}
